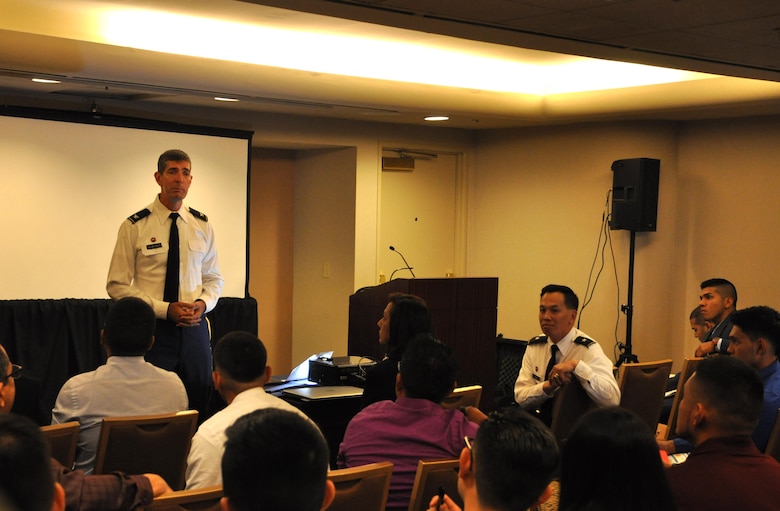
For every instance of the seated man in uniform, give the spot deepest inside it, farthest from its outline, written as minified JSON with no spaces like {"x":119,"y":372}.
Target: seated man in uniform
{"x":563,"y":353}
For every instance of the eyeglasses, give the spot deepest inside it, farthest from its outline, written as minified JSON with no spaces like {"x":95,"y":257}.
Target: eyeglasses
{"x":16,"y":373}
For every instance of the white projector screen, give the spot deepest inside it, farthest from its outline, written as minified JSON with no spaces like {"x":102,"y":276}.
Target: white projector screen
{"x":67,"y":186}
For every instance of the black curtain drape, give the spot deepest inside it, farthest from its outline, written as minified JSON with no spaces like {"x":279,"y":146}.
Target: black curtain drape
{"x":56,"y":339}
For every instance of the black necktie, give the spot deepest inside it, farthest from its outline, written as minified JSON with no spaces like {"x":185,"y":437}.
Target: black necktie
{"x":171,"y":292}
{"x":551,"y":363}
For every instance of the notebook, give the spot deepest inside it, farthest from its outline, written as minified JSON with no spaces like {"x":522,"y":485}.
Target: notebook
{"x":324,"y":392}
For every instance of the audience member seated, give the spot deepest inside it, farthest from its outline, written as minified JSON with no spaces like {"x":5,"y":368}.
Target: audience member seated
{"x":507,"y":467}
{"x":405,"y":317}
{"x":718,"y":301}
{"x":126,"y":385}
{"x":26,"y":483}
{"x":701,"y":327}
{"x":755,"y":340}
{"x":110,"y":492}
{"x":275,"y":459}
{"x":562,"y":353}
{"x":240,"y":372}
{"x":755,"y":336}
{"x":719,"y":410}
{"x":414,"y":426}
{"x":610,"y":461}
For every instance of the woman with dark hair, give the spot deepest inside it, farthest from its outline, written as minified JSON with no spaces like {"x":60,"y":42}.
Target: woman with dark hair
{"x":611,"y":462}
{"x":405,"y":316}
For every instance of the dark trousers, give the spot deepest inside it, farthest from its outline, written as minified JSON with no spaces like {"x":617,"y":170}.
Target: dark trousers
{"x":187,"y":352}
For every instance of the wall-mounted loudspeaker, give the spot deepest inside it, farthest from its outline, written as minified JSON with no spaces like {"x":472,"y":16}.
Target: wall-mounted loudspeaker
{"x":635,"y":194}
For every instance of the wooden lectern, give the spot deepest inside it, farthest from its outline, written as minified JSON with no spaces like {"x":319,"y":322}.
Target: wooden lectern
{"x":464,"y":312}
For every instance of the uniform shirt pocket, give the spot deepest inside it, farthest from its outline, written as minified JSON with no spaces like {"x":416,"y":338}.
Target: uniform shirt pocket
{"x":197,"y":246}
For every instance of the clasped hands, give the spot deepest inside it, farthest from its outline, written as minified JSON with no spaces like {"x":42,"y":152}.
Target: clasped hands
{"x":561,"y":374}
{"x":185,"y":313}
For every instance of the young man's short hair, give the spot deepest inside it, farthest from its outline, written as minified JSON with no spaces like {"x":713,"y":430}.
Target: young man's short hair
{"x":129,"y":327}
{"x":428,"y":369}
{"x":569,"y":296}
{"x":515,"y":457}
{"x":274,"y":459}
{"x":759,"y":322}
{"x":26,"y":481}
{"x":725,"y":288}
{"x":240,"y":356}
{"x":733,"y":388}
{"x":171,"y":155}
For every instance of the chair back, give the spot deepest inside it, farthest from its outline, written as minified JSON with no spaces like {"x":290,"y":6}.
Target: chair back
{"x":463,"y":396}
{"x":364,"y":488}
{"x":642,"y":389}
{"x":63,"y":439}
{"x":431,"y":475}
{"x":199,"y":499}
{"x":688,"y":368}
{"x":509,"y":360}
{"x":156,"y":444}
{"x":571,"y":402}
{"x":773,"y":446}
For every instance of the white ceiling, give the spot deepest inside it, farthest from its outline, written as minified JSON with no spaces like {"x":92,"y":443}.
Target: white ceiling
{"x":57,"y":38}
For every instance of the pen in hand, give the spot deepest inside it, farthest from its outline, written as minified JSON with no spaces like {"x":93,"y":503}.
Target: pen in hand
{"x":441,"y":497}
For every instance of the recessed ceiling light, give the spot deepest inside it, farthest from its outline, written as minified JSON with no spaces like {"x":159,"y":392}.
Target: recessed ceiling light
{"x":437,"y":118}
{"x":225,"y":99}
{"x":45,"y":80}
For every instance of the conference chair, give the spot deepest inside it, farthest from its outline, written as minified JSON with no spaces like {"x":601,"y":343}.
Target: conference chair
{"x":773,"y":446}
{"x":571,"y":402}
{"x":509,"y":360}
{"x":63,"y":439}
{"x":199,"y":499}
{"x":364,"y":488}
{"x":668,"y":431}
{"x":156,"y":444}
{"x":463,"y":396}
{"x":432,"y":475}
{"x":642,"y":388}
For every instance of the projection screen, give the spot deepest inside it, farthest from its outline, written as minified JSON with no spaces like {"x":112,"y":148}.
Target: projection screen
{"x":67,"y":186}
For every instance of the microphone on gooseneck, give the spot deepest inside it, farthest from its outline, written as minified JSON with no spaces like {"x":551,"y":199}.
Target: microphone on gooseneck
{"x":405,"y":262}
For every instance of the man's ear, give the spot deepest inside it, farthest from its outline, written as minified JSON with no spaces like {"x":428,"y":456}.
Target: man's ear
{"x":399,"y":386}
{"x":728,"y":302}
{"x":217,"y":378}
{"x":465,"y":470}
{"x":225,"y":504}
{"x":151,"y":343}
{"x":58,"y":504}
{"x":266,"y":374}
{"x":330,"y":494}
{"x":544,"y":497}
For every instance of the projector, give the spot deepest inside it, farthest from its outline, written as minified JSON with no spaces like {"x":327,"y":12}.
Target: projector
{"x":349,"y":370}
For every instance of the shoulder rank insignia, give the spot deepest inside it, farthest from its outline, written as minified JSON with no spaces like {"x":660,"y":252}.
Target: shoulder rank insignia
{"x":138,"y":216}
{"x":197,"y":214}
{"x":539,"y":339}
{"x":584,"y":341}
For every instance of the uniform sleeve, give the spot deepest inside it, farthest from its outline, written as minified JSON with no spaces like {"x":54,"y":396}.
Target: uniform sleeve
{"x":594,"y":371}
{"x":212,"y":280}
{"x":121,"y":271}
{"x":529,"y":393}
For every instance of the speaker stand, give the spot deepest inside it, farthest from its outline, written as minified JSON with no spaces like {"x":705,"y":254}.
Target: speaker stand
{"x":628,"y":309}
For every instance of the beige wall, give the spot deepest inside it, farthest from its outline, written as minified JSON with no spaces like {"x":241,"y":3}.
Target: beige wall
{"x":271,"y":254}
{"x":534,"y":205}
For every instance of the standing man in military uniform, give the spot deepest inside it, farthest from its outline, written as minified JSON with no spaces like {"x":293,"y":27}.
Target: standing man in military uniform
{"x":166,"y":255}
{"x":563,"y":353}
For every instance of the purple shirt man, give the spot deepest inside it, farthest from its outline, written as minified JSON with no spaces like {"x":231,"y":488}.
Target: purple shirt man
{"x":413,"y":427}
